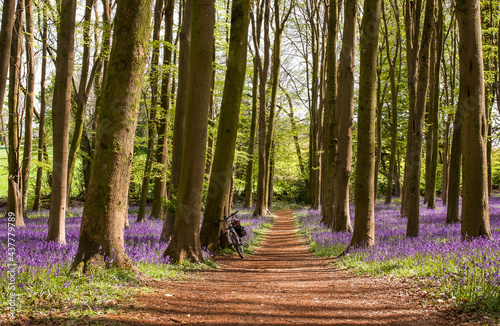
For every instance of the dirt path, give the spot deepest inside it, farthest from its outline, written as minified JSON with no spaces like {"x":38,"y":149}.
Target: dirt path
{"x":282,"y":284}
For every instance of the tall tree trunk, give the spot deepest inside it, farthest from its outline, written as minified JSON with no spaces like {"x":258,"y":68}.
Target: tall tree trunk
{"x":61,"y":112}
{"x":41,"y":122}
{"x":260,"y":202}
{"x":30,"y":90}
{"x":434,"y":109}
{"x":345,"y":106}
{"x":364,"y":224}
{"x":219,"y":188}
{"x":489,"y":148}
{"x":416,"y":125}
{"x":330,"y":121}
{"x":101,"y":232}
{"x":452,"y":210}
{"x":8,"y":18}
{"x":378,"y":128}
{"x":399,"y":191}
{"x":453,"y":181}
{"x":391,"y":176}
{"x":412,"y":29}
{"x":475,"y":209}
{"x":185,"y":243}
{"x":445,"y":155}
{"x":14,"y":198}
{"x":160,"y":185}
{"x":276,"y":66}
{"x":81,"y":98}
{"x":315,"y":133}
{"x":152,"y":121}
{"x":251,"y":142}
{"x":270,"y":187}
{"x":211,"y":122}
{"x":180,"y":109}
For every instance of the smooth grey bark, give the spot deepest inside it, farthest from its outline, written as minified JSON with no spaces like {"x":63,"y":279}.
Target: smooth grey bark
{"x":41,"y":121}
{"x":14,"y":195}
{"x":260,"y":201}
{"x":185,"y":243}
{"x":28,"y":115}
{"x":152,"y":120}
{"x":251,"y":142}
{"x":180,"y":109}
{"x":345,"y":106}
{"x":364,"y":223}
{"x":475,"y":209}
{"x":391,"y":176}
{"x":160,"y":183}
{"x":219,"y":188}
{"x":8,"y":17}
{"x":61,"y":112}
{"x":415,"y":126}
{"x":330,"y":121}
{"x":101,"y":233}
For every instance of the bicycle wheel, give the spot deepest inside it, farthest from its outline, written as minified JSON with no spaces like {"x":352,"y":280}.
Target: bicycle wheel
{"x":236,"y":243}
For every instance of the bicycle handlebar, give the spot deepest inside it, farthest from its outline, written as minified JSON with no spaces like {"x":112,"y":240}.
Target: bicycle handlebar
{"x":225,"y":218}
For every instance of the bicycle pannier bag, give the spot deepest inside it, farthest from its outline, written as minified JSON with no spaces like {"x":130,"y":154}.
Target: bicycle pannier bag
{"x":240,"y":230}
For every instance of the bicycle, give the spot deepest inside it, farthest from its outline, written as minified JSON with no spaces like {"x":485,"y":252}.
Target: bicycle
{"x":235,"y":231}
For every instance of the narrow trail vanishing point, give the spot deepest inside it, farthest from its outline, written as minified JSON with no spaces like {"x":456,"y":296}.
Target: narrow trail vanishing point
{"x":282,"y":284}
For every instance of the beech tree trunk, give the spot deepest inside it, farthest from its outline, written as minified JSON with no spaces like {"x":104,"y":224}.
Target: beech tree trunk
{"x":416,"y":125}
{"x":345,"y":106}
{"x":152,"y":123}
{"x":14,"y":196}
{"x":435,"y":84}
{"x":452,"y":210}
{"x":81,"y":98}
{"x":251,"y":142}
{"x":41,"y":122}
{"x":180,"y":109}
{"x":451,"y":160}
{"x":391,"y":176}
{"x":211,"y":121}
{"x":261,"y":200}
{"x":101,"y":232}
{"x":8,"y":17}
{"x":185,"y":243}
{"x":30,"y":90}
{"x":219,"y":188}
{"x":330,"y":121}
{"x":364,"y":223}
{"x":278,"y":34}
{"x":61,"y":112}
{"x":475,"y":209}
{"x":160,"y":185}
{"x":445,"y":154}
{"x":413,"y":13}
{"x":378,"y":128}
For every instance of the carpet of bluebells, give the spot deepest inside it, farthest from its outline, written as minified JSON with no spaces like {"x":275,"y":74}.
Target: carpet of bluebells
{"x":468,"y":272}
{"x":42,"y":268}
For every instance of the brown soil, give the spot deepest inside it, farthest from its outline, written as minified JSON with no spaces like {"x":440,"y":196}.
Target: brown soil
{"x":282,"y":284}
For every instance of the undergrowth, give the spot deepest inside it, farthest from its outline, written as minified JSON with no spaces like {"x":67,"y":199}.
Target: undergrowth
{"x":454,"y":273}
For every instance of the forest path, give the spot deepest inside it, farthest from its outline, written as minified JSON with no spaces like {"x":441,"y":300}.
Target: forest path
{"x":282,"y":284}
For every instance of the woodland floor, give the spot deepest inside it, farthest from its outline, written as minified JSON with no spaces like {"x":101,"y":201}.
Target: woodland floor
{"x":281,"y":284}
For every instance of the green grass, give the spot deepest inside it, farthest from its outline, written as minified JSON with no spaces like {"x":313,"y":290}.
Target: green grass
{"x":436,"y":276}
{"x":57,"y":291}
{"x":4,"y":174}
